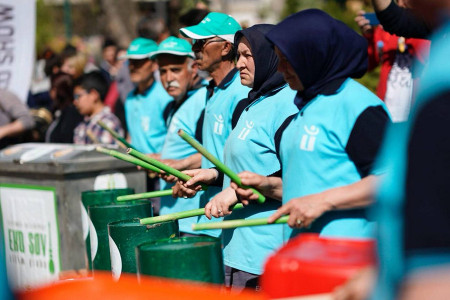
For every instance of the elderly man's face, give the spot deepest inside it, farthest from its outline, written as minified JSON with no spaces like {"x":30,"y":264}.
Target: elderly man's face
{"x":177,"y":74}
{"x":209,"y":52}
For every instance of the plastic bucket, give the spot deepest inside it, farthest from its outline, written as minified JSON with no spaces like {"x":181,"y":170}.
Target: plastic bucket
{"x":310,"y":265}
{"x":187,"y":258}
{"x":125,"y":236}
{"x":101,"y":216}
{"x":99,"y":197}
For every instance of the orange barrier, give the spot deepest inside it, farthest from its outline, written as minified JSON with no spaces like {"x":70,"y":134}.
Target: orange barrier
{"x":102,"y":286}
{"x":309,"y":265}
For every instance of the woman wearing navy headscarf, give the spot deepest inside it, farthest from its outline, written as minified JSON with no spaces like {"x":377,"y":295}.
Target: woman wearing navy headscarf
{"x":328,"y":148}
{"x":251,"y":146}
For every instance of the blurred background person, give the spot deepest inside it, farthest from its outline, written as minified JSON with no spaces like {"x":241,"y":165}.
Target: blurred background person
{"x":66,"y":116}
{"x":396,"y":55}
{"x":15,"y":119}
{"x":89,"y":93}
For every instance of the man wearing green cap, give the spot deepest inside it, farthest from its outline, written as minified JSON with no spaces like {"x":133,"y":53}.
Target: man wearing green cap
{"x":180,"y":79}
{"x":146,"y":107}
{"x":214,"y":52}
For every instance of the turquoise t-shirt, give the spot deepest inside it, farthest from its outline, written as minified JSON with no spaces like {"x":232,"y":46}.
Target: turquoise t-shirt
{"x":251,"y":146}
{"x":389,"y":208}
{"x":144,"y":115}
{"x":186,"y":118}
{"x":314,"y":158}
{"x":217,"y":127}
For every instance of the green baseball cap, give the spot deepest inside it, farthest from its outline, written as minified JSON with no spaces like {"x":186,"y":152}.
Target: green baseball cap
{"x":214,"y":24}
{"x":141,"y":48}
{"x":175,"y":46}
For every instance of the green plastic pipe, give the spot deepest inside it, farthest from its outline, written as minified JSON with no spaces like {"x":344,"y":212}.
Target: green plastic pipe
{"x":114,"y":134}
{"x":224,"y":169}
{"x":154,"y":194}
{"x":128,"y":158}
{"x":180,"y":215}
{"x":238,"y":223}
{"x":162,"y":166}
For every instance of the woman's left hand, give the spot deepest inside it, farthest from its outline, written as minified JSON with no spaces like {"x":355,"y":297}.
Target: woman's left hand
{"x":219,"y":206}
{"x":303,"y":211}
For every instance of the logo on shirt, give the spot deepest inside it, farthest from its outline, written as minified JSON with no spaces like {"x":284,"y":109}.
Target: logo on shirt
{"x":145,"y":123}
{"x":245,"y":131}
{"x":173,"y":125}
{"x":309,"y":139}
{"x":218,"y":125}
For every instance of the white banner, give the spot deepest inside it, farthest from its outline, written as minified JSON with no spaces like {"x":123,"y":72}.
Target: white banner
{"x":17,"y":35}
{"x":30,"y":229}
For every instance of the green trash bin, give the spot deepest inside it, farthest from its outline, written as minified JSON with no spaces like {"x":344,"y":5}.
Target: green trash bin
{"x":101,"y":216}
{"x":189,"y":258}
{"x":98,"y":197}
{"x":125,"y":236}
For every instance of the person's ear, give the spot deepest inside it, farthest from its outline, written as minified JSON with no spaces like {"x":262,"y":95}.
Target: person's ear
{"x":155,"y":66}
{"x":226,"y":48}
{"x":95,"y":95}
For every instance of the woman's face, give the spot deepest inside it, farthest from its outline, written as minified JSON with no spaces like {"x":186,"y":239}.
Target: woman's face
{"x":245,"y":63}
{"x":289,"y":74}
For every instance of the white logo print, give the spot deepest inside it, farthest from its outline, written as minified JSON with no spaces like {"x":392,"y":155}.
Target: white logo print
{"x":145,"y":123}
{"x":246,"y":131}
{"x":218,"y":125}
{"x":308,"y":140}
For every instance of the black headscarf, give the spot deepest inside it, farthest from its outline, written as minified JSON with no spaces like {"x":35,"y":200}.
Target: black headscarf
{"x":266,"y":76}
{"x":321,"y":50}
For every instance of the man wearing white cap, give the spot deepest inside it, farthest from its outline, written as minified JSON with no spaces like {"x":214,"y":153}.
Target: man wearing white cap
{"x":214,"y":52}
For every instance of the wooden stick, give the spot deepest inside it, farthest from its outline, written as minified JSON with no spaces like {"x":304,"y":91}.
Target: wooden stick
{"x":162,"y":166}
{"x":128,"y":158}
{"x":153,"y":194}
{"x":180,"y":215}
{"x":224,"y":169}
{"x":114,"y":134}
{"x":238,"y":223}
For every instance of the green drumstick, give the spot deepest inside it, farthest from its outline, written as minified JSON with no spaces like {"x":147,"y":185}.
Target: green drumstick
{"x":238,"y":223}
{"x":162,"y":166}
{"x":128,"y":158}
{"x":154,"y":194}
{"x":224,"y":169}
{"x":180,"y":215}
{"x":114,"y":134}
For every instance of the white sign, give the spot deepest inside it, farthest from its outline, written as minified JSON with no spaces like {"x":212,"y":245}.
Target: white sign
{"x":30,"y":229}
{"x":17,"y":34}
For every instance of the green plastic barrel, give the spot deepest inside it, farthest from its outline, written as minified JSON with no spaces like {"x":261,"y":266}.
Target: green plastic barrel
{"x":189,"y":258}
{"x":101,"y":216}
{"x":125,"y":236}
{"x":99,"y":197}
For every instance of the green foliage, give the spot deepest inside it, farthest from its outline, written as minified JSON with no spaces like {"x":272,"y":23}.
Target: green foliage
{"x":44,"y":25}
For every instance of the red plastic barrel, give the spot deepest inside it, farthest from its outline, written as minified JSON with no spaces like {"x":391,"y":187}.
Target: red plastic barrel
{"x":311,"y":265}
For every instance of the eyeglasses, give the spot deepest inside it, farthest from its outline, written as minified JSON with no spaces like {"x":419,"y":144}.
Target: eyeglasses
{"x":200,"y":44}
{"x":77,"y":96}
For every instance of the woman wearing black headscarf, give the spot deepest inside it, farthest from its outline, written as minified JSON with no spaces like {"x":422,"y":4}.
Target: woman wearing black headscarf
{"x":327,"y":150}
{"x":251,"y":146}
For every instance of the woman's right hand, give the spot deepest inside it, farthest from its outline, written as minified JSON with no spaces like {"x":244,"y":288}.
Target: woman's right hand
{"x":190,"y":188}
{"x":364,"y":24}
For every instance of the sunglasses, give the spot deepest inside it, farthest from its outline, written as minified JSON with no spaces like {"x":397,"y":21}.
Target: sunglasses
{"x":200,"y":44}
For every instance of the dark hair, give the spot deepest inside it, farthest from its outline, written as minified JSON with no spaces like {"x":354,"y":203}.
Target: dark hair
{"x":193,"y":16}
{"x":63,"y":85}
{"x":151,"y":27}
{"x":108,"y":42}
{"x":94,"y":80}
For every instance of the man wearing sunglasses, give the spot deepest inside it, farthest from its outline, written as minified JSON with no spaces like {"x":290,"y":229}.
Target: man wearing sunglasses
{"x":214,"y":51}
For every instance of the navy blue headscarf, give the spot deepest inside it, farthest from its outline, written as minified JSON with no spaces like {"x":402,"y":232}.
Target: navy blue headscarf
{"x":321,"y":50}
{"x":266,"y":76}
